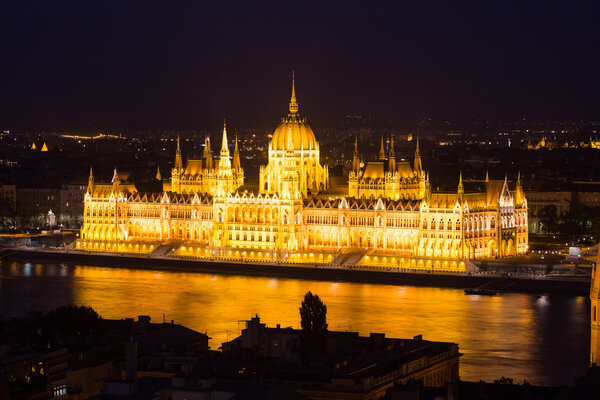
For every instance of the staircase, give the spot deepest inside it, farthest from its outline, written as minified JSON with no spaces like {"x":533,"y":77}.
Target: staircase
{"x":166,"y":249}
{"x":349,"y":257}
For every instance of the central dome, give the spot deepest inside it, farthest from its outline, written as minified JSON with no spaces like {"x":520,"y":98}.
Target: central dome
{"x":293,"y":133}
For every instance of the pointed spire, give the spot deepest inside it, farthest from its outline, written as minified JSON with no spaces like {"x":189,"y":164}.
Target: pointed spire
{"x":461,"y":188}
{"x":224,"y":145}
{"x":33,"y":146}
{"x":115,"y":177}
{"x":356,"y":157}
{"x":236,"y":155}
{"x":158,"y":176}
{"x":382,"y":150}
{"x":392,"y":162}
{"x":44,"y":147}
{"x":224,"y":161}
{"x":418,"y":167}
{"x":178,"y":160}
{"x":91,"y":181}
{"x":293,"y":101}
{"x":519,"y":196}
{"x":487,"y":176}
{"x":208,"y":160}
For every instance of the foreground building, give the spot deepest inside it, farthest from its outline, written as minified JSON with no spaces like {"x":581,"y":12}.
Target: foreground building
{"x":348,"y":367}
{"x":389,"y":215}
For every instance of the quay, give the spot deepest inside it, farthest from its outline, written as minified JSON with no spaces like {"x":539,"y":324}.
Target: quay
{"x":572,"y":285}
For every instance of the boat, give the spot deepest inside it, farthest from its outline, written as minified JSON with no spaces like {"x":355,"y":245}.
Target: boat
{"x":481,"y":291}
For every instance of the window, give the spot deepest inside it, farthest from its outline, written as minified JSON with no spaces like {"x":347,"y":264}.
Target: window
{"x":60,"y":390}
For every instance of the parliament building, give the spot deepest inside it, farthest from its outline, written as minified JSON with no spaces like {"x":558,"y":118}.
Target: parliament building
{"x":387,"y":217}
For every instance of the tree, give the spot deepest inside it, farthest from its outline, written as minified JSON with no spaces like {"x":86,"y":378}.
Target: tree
{"x":69,"y":325}
{"x":313,"y":319}
{"x":313,"y":314}
{"x":548,"y":218}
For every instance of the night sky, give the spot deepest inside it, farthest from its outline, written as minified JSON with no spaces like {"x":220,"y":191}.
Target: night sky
{"x":126,"y":64}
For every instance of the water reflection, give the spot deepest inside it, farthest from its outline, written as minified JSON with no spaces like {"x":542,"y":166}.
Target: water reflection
{"x":543,"y":339}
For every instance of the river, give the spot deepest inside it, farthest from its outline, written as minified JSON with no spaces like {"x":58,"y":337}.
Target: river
{"x":543,"y":339}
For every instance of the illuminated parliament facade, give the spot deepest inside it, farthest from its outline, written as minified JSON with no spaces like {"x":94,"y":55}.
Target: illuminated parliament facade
{"x":388,"y":217}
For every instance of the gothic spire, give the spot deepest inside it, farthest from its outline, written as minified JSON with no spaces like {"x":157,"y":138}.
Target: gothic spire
{"x":158,"y":176}
{"x":382,"y":150}
{"x":178,"y":160}
{"x":224,"y":144}
{"x":208,"y":160}
{"x":418,"y":167}
{"x":91,"y":180}
{"x":236,"y":155}
{"x":392,"y":166}
{"x":356,"y":157}
{"x":293,"y":101}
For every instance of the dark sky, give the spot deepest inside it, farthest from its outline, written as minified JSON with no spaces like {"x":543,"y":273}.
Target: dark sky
{"x":115,"y":64}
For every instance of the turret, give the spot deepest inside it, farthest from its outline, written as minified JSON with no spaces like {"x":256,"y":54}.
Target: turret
{"x":115,"y":180}
{"x":519,"y":197}
{"x":224,"y":161}
{"x":90,"y":188}
{"x":392,"y":162}
{"x":356,"y":157}
{"x":461,"y":188}
{"x":382,"y":150}
{"x":237,"y":165}
{"x":178,"y":160}
{"x":208,"y":160}
{"x":418,"y":167}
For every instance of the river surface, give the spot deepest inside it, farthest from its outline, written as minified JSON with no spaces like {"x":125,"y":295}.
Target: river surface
{"x":543,"y":339}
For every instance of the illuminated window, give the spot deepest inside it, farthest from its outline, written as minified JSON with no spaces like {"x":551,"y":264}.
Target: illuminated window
{"x":60,"y":390}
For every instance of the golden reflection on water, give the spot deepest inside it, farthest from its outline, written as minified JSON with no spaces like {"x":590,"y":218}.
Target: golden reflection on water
{"x":509,"y":335}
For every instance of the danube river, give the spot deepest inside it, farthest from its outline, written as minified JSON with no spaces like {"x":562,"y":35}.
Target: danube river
{"x":543,"y":339}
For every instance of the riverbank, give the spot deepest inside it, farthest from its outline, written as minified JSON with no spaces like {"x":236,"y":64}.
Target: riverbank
{"x":538,"y":285}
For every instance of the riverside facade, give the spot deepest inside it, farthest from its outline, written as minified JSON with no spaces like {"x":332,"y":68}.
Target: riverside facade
{"x":388,"y":216}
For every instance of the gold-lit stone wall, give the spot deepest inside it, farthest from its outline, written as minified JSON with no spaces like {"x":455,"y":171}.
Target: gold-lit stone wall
{"x":390,"y":219}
